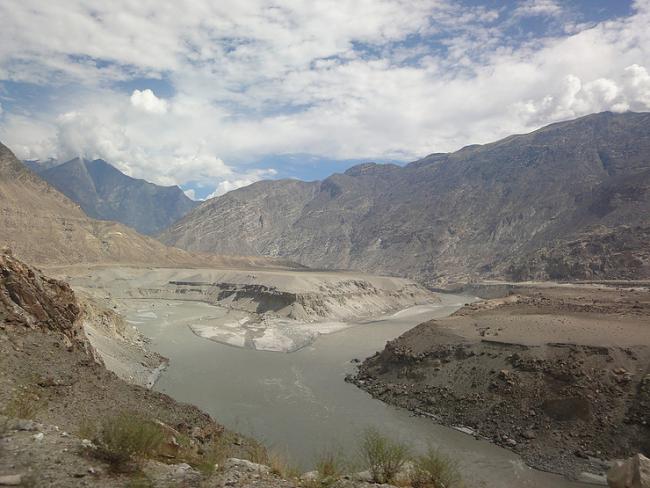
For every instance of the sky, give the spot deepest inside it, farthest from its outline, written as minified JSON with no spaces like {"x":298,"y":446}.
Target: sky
{"x":213,"y":95}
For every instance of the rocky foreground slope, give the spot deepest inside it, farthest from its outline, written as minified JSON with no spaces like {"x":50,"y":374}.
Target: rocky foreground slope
{"x":105,"y":193}
{"x":572,"y":198}
{"x":559,"y":374}
{"x":51,"y":372}
{"x":41,"y":225}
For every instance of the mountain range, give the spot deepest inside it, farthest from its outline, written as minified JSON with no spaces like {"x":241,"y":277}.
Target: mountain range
{"x":568,"y":201}
{"x":105,"y":193}
{"x":42,"y":226}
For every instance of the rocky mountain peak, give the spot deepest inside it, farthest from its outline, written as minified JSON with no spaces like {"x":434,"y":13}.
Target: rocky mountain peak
{"x":105,"y":193}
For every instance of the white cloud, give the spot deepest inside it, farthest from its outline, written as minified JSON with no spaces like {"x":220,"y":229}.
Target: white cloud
{"x":147,"y":101}
{"x":191,"y":194}
{"x":266,"y":77}
{"x":229,"y":185}
{"x":538,"y":7}
{"x":232,"y":184}
{"x":637,"y":84}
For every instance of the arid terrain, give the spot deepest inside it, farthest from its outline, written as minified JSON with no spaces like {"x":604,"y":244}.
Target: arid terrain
{"x":567,"y":201}
{"x":67,"y":367}
{"x":558,"y":373}
{"x":264,"y":309}
{"x":42,"y":226}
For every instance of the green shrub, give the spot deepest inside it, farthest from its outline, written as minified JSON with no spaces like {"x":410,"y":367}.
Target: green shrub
{"x":126,"y":438}
{"x":384,"y":457}
{"x":434,"y":469}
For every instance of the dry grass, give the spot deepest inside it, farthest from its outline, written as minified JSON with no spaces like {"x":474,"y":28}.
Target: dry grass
{"x":24,"y":403}
{"x":435,"y":469}
{"x":256,"y":452}
{"x":127,"y":438}
{"x":87,"y":429}
{"x":281,"y":466}
{"x":212,"y":456}
{"x":383,"y":456}
{"x":329,"y":465}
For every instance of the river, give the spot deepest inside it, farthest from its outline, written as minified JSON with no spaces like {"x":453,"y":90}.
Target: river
{"x":299,"y":403}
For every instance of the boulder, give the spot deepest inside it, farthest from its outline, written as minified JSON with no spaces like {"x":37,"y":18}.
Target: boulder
{"x":309,"y":476}
{"x":631,"y":473}
{"x":11,"y":480}
{"x":245,"y":466}
{"x":171,"y":475}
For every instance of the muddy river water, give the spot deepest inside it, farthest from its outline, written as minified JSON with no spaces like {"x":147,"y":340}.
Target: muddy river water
{"x":299,"y":403}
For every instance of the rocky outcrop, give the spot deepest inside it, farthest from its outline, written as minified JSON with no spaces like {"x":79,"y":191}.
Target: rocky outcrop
{"x":105,"y":193}
{"x":27,"y":298}
{"x":478,"y":212}
{"x":30,"y":300}
{"x":631,"y":473}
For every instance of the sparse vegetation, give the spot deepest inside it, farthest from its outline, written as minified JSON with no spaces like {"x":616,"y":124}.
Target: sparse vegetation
{"x":281,"y":466}
{"x":329,"y":465}
{"x":213,"y":455}
{"x":87,"y":429}
{"x":24,"y":403}
{"x":140,"y":480}
{"x":127,"y":438}
{"x":435,"y":469}
{"x":256,"y":452}
{"x":384,"y":457}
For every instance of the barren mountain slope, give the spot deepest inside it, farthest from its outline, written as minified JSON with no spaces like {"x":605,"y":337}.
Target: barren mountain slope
{"x":104,"y":193}
{"x":43,"y":226}
{"x":447,"y":217}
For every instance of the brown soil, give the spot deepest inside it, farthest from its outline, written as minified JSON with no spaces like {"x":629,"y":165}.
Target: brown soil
{"x":559,"y":374}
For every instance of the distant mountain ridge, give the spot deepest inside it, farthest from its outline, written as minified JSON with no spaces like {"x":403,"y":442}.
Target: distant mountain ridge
{"x":42,"y":226}
{"x":549,"y":204}
{"x":105,"y":193}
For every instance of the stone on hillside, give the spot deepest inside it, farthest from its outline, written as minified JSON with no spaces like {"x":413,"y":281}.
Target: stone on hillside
{"x":11,"y":480}
{"x":309,"y":476}
{"x":633,"y":472}
{"x":245,"y":466}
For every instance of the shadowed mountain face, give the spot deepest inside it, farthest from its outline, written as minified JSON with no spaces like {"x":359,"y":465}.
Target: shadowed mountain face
{"x":105,"y":193}
{"x":484,"y":211}
{"x":38,"y":166}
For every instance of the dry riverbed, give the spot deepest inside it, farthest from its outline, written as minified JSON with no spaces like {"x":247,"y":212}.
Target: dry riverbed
{"x":269,"y":310}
